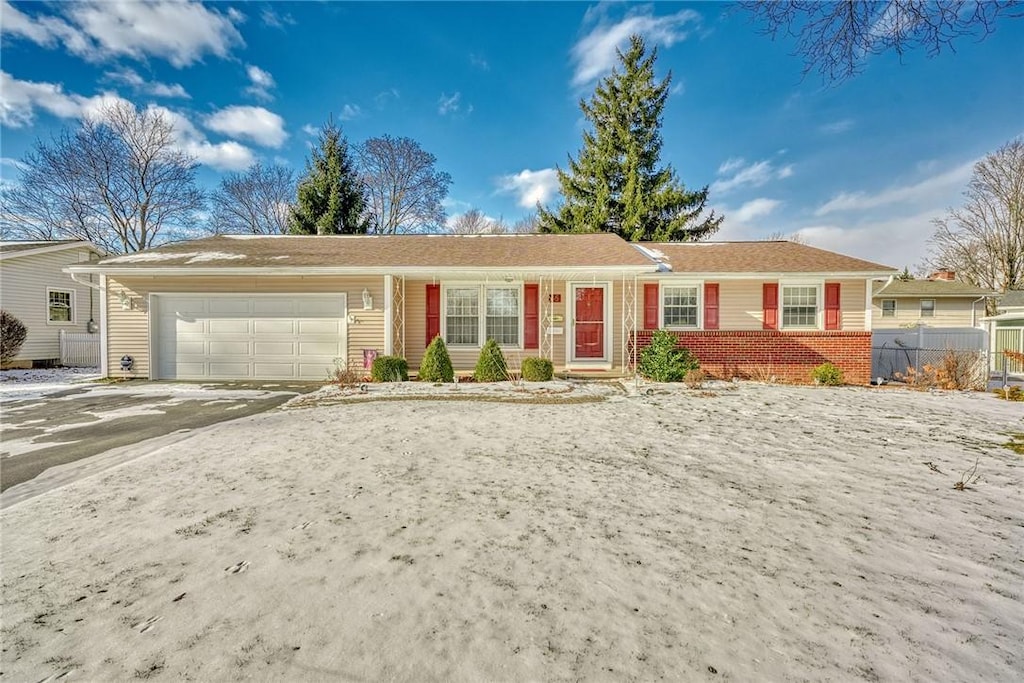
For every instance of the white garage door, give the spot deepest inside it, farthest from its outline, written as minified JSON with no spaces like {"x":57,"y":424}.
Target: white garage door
{"x":248,"y":336}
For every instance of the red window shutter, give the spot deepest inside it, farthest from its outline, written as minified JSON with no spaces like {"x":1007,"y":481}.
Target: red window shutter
{"x":832,"y":313}
{"x":711,"y":306}
{"x":433,"y":312}
{"x":651,"y":306}
{"x":771,"y":306}
{"x":531,"y":317}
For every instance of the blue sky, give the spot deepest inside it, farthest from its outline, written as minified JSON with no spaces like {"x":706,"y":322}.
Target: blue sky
{"x":492,"y":90}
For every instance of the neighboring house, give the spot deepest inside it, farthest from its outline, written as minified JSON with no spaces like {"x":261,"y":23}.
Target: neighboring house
{"x":938,"y":301}
{"x":36,"y":290}
{"x":1006,"y":331}
{"x":286,"y":307}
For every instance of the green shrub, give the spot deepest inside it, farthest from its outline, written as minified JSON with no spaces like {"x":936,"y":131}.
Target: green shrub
{"x":436,"y":365}
{"x":664,"y":361}
{"x":538,"y":369}
{"x":12,"y":336}
{"x":827,"y":374}
{"x":491,"y":366}
{"x":389,"y":369}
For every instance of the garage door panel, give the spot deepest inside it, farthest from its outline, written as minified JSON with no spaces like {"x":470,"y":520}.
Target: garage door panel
{"x":317,"y":327}
{"x":321,"y":308}
{"x":274,"y":348}
{"x":264,"y":326}
{"x":248,"y":336}
{"x":221,"y":326}
{"x":226,"y":306}
{"x":229,"y":348}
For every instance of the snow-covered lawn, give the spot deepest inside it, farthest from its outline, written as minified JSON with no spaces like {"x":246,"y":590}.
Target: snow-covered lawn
{"x":38,"y":382}
{"x":749,"y":533}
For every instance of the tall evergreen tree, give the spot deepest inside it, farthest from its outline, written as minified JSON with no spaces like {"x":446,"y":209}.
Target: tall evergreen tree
{"x":616,"y":184}
{"x":331,"y":197}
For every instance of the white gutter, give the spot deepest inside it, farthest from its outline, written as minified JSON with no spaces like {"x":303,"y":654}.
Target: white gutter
{"x":74,"y":278}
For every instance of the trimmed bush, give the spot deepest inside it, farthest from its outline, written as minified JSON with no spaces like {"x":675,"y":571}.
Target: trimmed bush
{"x":389,"y":369}
{"x":436,"y":365}
{"x":491,"y":365}
{"x":12,"y":336}
{"x":538,"y":369}
{"x":664,"y":360}
{"x":827,"y":374}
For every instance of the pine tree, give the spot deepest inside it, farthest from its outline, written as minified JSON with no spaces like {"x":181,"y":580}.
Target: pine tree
{"x":331,"y":198}
{"x":616,"y":184}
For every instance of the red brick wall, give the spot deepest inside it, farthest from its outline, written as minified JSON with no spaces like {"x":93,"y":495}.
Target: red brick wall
{"x":789,"y":356}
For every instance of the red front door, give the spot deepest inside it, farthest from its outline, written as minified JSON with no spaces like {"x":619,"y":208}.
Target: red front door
{"x":589,"y":322}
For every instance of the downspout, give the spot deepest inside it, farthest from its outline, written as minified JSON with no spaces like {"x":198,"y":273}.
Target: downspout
{"x":974,"y":310}
{"x":91,"y":326}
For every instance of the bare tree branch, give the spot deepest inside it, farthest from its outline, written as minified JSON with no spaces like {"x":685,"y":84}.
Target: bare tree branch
{"x":404,"y":190}
{"x":835,"y":38}
{"x":256,"y":202}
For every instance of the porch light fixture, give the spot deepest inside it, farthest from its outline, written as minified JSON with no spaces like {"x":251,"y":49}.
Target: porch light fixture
{"x":367,"y":300}
{"x":126,"y":301}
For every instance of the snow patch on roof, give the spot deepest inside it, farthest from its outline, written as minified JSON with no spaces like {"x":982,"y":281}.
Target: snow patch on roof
{"x":147,"y":257}
{"x":213,"y":256}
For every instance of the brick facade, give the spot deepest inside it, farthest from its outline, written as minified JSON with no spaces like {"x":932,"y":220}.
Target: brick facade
{"x":788,"y":356}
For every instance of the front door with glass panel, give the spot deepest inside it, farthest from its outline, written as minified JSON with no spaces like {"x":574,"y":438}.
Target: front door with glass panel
{"x":589,"y":323}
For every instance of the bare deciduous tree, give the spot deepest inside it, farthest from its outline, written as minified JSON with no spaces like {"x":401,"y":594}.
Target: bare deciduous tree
{"x":475,"y":222}
{"x":256,"y":202}
{"x":119,"y":181}
{"x":983,"y":240}
{"x":778,"y":236}
{"x":835,"y":37}
{"x":403,"y":188}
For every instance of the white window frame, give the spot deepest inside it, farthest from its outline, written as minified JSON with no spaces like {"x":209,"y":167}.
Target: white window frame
{"x":71,"y":306}
{"x":921,"y":308}
{"x":481,"y":315}
{"x":819,"y":317}
{"x":895,"y":308}
{"x":700,"y":304}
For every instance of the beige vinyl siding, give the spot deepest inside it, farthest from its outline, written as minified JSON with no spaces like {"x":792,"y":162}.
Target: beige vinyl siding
{"x":464,"y":359}
{"x":128,"y":330}
{"x":741,"y":302}
{"x":952,"y":312}
{"x":23,"y":285}
{"x":852,"y":304}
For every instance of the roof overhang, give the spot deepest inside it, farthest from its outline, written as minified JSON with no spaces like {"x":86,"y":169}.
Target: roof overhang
{"x":49,"y":248}
{"x":424,"y":272}
{"x":776,"y":275}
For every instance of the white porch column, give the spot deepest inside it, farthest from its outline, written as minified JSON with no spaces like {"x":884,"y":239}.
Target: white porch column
{"x":389,"y":315}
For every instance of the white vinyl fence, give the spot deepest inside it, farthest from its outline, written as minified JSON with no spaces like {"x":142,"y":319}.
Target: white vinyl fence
{"x":79,"y":350}
{"x":895,"y":351}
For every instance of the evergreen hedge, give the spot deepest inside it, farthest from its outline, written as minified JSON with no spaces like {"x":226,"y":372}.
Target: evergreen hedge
{"x":436,"y":365}
{"x":389,"y":369}
{"x":491,"y":365}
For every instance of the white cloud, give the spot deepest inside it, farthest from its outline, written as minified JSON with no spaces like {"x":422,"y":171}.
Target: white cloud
{"x":228,"y":155}
{"x":131,"y":78}
{"x":19,"y":101}
{"x":936,"y":189}
{"x":275,"y":20}
{"x":448,"y":104}
{"x":180,"y":32}
{"x":261,"y":83}
{"x":311,"y":130}
{"x":755,"y":208}
{"x":382,"y":99}
{"x":479,"y":62}
{"x":905,"y":237}
{"x":530,"y":187}
{"x":350,"y":111}
{"x":837,"y":127}
{"x":594,"y":54}
{"x":257,"y":124}
{"x":739,"y":174}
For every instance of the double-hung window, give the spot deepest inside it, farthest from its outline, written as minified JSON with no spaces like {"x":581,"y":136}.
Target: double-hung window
{"x":679,"y":306}
{"x":60,"y":305}
{"x":888,"y":308}
{"x":476,"y":313}
{"x":800,"y":306}
{"x":927,"y":308}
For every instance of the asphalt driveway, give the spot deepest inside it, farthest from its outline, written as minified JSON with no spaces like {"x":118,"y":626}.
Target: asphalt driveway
{"x":47,"y":429}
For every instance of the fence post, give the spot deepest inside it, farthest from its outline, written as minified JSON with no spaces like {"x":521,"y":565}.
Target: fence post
{"x":62,"y":346}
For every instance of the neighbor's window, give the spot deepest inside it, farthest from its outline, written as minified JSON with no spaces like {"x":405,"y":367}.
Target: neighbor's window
{"x":462,"y":311}
{"x":60,"y":306}
{"x":800,"y":306}
{"x":927,"y":308}
{"x":503,"y":316}
{"x":680,"y":306}
{"x":888,"y":308}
